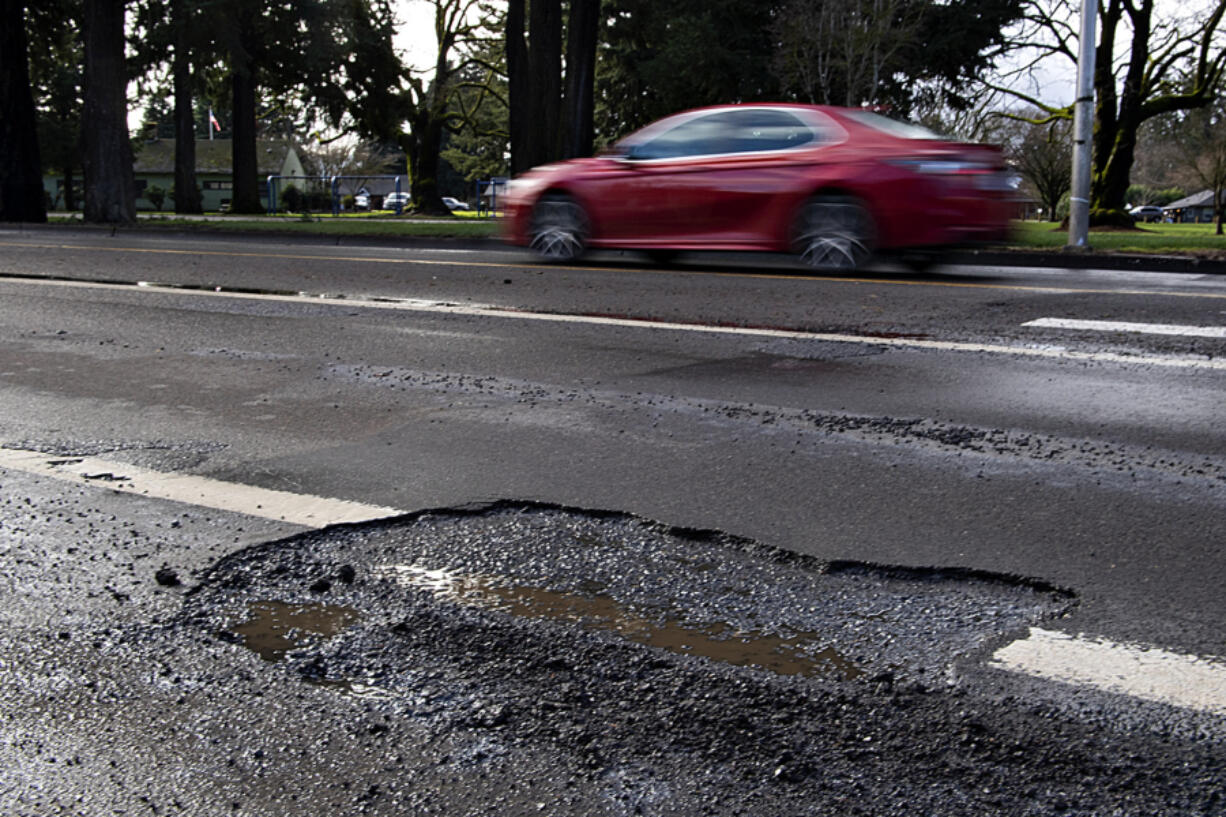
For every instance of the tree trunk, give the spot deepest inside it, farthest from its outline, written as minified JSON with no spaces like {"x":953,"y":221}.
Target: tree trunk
{"x":546,"y":76}
{"x":518,"y":87}
{"x":70,"y":190}
{"x":534,"y":70}
{"x":583,"y":28}
{"x":245,"y":195}
{"x":21,"y":183}
{"x":1117,"y":118}
{"x":110,"y":188}
{"x":422,"y":146}
{"x":187,"y":193}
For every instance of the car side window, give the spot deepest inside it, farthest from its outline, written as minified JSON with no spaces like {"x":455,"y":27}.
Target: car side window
{"x":741,"y":131}
{"x":763,"y":129}
{"x":701,"y":136}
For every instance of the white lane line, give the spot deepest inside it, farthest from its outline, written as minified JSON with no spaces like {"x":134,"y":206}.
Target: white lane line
{"x":508,"y":313}
{"x":1149,"y":673}
{"x":298,"y":509}
{"x":1136,"y":328}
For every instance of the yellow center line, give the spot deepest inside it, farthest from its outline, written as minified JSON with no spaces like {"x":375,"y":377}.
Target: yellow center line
{"x":794,"y":276}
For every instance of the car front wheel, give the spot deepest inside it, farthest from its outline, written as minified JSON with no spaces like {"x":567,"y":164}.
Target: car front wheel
{"x":559,"y":228}
{"x":833,"y":233}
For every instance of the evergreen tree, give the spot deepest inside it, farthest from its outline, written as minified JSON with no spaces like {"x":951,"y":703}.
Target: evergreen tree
{"x":21,"y":184}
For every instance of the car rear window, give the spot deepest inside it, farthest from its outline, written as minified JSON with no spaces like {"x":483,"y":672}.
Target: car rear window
{"x":901,"y":130}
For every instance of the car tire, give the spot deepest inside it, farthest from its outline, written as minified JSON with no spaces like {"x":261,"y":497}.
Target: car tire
{"x":559,"y":228}
{"x":833,"y":233}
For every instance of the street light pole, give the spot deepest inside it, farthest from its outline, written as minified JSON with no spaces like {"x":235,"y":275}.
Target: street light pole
{"x":1083,"y":132}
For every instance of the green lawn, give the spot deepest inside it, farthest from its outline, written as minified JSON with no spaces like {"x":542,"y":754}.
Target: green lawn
{"x":1198,"y":239}
{"x":356,"y":226}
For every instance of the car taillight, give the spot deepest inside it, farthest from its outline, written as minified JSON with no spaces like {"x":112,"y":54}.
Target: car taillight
{"x":980,"y":175}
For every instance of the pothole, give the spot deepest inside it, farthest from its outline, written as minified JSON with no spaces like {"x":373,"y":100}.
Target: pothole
{"x":499,"y":595}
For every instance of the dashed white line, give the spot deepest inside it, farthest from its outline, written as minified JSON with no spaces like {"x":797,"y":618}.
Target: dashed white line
{"x":298,"y":509}
{"x":1149,"y":673}
{"x":1135,"y":328}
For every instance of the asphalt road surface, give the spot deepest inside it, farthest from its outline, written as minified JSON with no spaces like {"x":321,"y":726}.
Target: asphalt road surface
{"x":297,"y":528}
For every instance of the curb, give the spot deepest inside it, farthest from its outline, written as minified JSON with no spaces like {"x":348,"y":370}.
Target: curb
{"x":1089,"y":260}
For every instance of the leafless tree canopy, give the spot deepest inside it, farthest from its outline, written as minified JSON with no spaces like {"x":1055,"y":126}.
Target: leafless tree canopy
{"x":1148,"y":64}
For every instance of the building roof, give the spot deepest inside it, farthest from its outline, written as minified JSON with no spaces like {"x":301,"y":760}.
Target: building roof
{"x":212,"y":156}
{"x":1202,"y":199}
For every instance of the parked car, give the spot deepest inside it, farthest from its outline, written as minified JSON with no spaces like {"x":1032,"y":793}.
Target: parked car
{"x":1146,"y":212}
{"x":455,"y":204}
{"x":392,"y":200}
{"x":834,"y":185}
{"x":361,"y":202}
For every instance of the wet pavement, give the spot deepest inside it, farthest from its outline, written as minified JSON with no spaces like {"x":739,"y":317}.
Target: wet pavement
{"x":872,"y":523}
{"x":519,"y":658}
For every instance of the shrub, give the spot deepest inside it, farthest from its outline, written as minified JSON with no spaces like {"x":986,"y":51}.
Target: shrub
{"x":156,"y":196}
{"x":291,"y":200}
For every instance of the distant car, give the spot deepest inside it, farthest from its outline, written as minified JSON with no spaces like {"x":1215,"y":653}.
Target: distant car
{"x":455,"y":204}
{"x":391,"y":200}
{"x":361,"y":202}
{"x":833,"y":185}
{"x":1146,"y":212}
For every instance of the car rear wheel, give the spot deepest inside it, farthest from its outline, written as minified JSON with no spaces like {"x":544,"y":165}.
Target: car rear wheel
{"x":833,"y":233}
{"x":559,"y":228}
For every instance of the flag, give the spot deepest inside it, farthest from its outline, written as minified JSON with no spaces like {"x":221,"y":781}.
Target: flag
{"x":213,"y":121}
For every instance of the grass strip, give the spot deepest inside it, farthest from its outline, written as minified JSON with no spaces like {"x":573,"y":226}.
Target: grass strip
{"x":1157,"y":239}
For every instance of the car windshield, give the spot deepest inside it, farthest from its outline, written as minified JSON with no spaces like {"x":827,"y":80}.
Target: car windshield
{"x":902,"y":130}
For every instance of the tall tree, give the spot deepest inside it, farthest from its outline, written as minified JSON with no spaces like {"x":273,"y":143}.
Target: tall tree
{"x":1204,"y":154}
{"x":1146,"y":65}
{"x":21,"y":184}
{"x":429,"y":101}
{"x":534,"y":72}
{"x":551,"y":113}
{"x":289,"y":53}
{"x":110,"y":188}
{"x":187,"y":192}
{"x":1041,"y":154}
{"x":843,"y":54}
{"x":661,"y":56}
{"x":382,"y":95}
{"x":578,"y":114}
{"x":247,"y":36}
{"x":887,"y":52}
{"x":480,"y":146}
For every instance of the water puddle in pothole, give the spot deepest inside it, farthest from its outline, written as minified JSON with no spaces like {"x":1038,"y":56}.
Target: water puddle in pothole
{"x":274,"y":628}
{"x":799,"y":653}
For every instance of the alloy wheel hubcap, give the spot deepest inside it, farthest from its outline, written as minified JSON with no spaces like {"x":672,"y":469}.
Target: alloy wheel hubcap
{"x":559,"y":229}
{"x":833,"y":235}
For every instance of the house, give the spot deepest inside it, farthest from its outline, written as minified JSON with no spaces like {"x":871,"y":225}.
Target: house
{"x":1194,"y":209}
{"x":154,"y":166}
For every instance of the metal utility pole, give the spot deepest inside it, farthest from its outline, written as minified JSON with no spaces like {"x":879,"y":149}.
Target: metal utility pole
{"x":1083,"y":132}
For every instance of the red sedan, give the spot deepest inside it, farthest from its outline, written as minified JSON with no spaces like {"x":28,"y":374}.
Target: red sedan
{"x":834,"y":185}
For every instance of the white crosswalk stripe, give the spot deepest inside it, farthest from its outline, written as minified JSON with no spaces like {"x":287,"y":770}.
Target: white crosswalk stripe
{"x":1134,"y":328}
